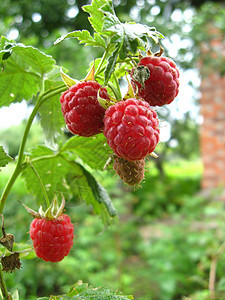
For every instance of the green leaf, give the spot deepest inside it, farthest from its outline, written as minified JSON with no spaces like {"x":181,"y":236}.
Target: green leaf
{"x":25,"y":250}
{"x":52,"y":120}
{"x":100,"y":194}
{"x":86,"y":188}
{"x":4,"y":158}
{"x":17,"y":83}
{"x":84,"y":37}
{"x":96,"y":16}
{"x":51,"y":170}
{"x":32,"y":58}
{"x":59,"y":173}
{"x":22,"y":73}
{"x":83,"y":291}
{"x":111,"y":64}
{"x":94,"y":151}
{"x":99,"y":40}
{"x":128,"y":36}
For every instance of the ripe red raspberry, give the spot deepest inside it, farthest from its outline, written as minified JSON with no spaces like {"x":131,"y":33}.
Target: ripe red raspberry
{"x":161,"y":86}
{"x":131,"y":129}
{"x":52,"y":239}
{"x":81,"y":110}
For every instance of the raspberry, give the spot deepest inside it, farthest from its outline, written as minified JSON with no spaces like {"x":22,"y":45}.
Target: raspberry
{"x":131,"y":129}
{"x":52,"y":239}
{"x":161,"y":86}
{"x":131,"y":172}
{"x":81,"y":110}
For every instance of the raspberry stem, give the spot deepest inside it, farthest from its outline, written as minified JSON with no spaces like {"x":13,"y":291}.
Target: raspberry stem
{"x":5,"y":294}
{"x":99,"y":70}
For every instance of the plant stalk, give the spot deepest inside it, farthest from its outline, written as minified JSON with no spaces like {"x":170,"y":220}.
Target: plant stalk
{"x":101,"y":62}
{"x":212,"y":273}
{"x":4,"y":290}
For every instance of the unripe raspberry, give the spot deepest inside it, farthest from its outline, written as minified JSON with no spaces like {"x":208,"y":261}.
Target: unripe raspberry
{"x":131,"y":172}
{"x":131,"y":129}
{"x":52,"y":239}
{"x":81,"y":110}
{"x":158,"y":83}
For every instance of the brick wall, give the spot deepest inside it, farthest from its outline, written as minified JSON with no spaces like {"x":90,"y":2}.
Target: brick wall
{"x":212,"y":135}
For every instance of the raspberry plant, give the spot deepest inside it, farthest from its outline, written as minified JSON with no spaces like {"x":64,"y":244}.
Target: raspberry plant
{"x":88,"y":107}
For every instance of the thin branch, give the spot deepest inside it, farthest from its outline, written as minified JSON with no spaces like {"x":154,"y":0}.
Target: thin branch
{"x":212,"y":273}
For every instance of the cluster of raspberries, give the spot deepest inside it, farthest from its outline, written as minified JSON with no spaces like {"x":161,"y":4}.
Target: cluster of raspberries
{"x":130,"y":126}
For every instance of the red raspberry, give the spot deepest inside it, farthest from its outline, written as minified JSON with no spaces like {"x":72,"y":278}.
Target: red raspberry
{"x":161,"y":86}
{"x":131,"y":129}
{"x":81,"y":110}
{"x":52,"y":239}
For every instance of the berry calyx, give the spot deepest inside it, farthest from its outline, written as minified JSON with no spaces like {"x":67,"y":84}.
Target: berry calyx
{"x":131,"y":129}
{"x":156,"y":80}
{"x":131,"y":172}
{"x":81,"y":110}
{"x":52,"y":239}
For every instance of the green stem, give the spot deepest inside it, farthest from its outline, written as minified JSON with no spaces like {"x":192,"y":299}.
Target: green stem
{"x":4,"y":290}
{"x":41,"y":184}
{"x":27,"y":129}
{"x":115,"y":91}
{"x":101,"y":62}
{"x":118,"y":86}
{"x":20,"y":166}
{"x":62,"y":86}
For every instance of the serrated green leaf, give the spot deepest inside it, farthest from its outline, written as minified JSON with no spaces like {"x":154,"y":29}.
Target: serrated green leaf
{"x":130,"y":36}
{"x":59,"y":173}
{"x":4,"y":158}
{"x":83,"y":291}
{"x":52,"y":120}
{"x":96,"y":16}
{"x":17,"y":84}
{"x":99,"y":40}
{"x":22,"y":73}
{"x":51,"y":170}
{"x":84,"y":37}
{"x":32,"y":58}
{"x":94,"y":151}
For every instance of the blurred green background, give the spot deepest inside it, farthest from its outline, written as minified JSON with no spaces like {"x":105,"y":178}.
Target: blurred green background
{"x":167,"y":234}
